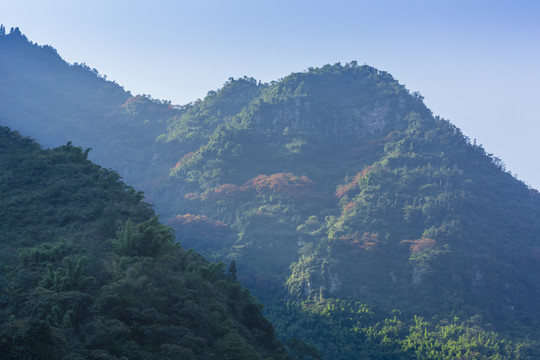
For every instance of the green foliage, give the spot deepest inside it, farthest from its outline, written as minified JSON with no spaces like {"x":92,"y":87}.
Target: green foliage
{"x":401,"y":211}
{"x":333,"y":183}
{"x":148,"y":239}
{"x":299,"y":350}
{"x":28,"y":339}
{"x":66,"y":278}
{"x":196,"y":124}
{"x":347,"y":329}
{"x":69,"y":291}
{"x":413,"y":209}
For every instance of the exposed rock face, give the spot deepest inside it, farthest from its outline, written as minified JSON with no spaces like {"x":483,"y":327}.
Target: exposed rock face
{"x":307,"y":288}
{"x":416,"y":276}
{"x":351,"y":121}
{"x":334,"y":283}
{"x":361,"y":122}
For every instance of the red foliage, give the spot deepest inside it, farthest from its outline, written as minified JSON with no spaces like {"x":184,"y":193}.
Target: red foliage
{"x":282,"y":185}
{"x":184,"y":160}
{"x":367,"y":242}
{"x":349,"y":207}
{"x":226,"y":191}
{"x":422,"y":244}
{"x":366,"y":171}
{"x":132,"y":100}
{"x":189,"y":219}
{"x":229,"y":192}
{"x":191,"y":196}
{"x":199,"y":225}
{"x":345,"y":189}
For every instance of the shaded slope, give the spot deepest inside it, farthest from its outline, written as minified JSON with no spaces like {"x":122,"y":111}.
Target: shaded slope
{"x":88,"y":271}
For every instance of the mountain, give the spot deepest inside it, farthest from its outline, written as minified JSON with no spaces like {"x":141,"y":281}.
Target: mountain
{"x":342,"y":185}
{"x":369,"y":227}
{"x":50,"y":100}
{"x":89,"y":273}
{"x":342,"y":173}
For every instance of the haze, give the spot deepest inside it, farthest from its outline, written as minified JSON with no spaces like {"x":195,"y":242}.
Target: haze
{"x":475,"y":63}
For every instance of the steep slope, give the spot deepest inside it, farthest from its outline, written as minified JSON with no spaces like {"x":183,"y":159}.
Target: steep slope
{"x":338,"y":191}
{"x":343,"y":174}
{"x":89,"y":273}
{"x":435,"y":221}
{"x":249,"y":166}
{"x":54,"y":102}
{"x":368,"y":174}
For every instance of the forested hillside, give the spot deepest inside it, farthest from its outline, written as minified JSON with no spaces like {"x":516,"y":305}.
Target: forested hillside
{"x":52,"y":101}
{"x":374,"y":203}
{"x":88,"y":272}
{"x":363,"y":222}
{"x":369,"y":194}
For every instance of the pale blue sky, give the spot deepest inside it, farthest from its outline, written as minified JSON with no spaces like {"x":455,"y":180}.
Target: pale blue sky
{"x":477,"y":63}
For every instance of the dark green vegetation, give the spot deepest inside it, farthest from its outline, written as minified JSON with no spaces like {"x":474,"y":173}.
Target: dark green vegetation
{"x":89,"y":273}
{"x":369,"y":227}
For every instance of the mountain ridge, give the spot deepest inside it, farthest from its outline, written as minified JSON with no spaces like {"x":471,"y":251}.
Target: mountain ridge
{"x":403,"y":154}
{"x":336,"y":189}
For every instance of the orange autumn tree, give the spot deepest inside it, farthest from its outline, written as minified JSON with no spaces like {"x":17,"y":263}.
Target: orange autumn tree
{"x":357,"y":243}
{"x":280,"y":185}
{"x":346,"y":189}
{"x":283,"y":185}
{"x":422,"y":244}
{"x":197,"y":225}
{"x":183,"y":160}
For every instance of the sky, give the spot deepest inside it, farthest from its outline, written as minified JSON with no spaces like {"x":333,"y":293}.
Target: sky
{"x":477,"y":63}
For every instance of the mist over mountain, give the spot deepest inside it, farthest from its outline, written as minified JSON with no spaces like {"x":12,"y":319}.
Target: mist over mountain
{"x":368,"y":226}
{"x":45,"y":98}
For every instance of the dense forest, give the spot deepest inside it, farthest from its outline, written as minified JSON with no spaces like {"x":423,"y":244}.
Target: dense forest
{"x":88,"y":272}
{"x":367,"y":226}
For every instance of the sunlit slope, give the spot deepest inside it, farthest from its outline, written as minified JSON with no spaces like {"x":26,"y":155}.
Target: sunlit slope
{"x":343,"y":174}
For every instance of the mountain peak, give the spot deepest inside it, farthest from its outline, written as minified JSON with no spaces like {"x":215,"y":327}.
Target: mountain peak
{"x":14,"y":32}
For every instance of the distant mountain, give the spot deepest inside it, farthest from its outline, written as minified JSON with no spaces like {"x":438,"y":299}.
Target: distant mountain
{"x":89,"y":273}
{"x":364,"y":223}
{"x":54,"y":102}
